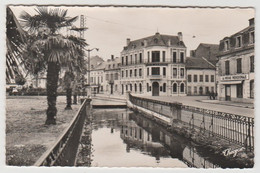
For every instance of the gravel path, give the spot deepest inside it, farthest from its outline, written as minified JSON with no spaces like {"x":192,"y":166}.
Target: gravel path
{"x":27,"y":138}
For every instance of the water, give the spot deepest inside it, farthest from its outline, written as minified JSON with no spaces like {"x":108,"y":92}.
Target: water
{"x":122,"y":138}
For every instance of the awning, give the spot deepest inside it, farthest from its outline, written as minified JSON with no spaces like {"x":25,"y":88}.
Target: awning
{"x":231,"y":82}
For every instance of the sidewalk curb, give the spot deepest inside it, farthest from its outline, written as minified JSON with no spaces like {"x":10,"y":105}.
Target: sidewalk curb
{"x":249,"y":107}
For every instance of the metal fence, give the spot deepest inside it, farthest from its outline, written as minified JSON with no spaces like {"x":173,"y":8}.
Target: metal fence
{"x":235,"y":128}
{"x":64,"y":151}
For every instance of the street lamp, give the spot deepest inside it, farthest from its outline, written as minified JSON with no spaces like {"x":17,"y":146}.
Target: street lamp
{"x":89,"y":50}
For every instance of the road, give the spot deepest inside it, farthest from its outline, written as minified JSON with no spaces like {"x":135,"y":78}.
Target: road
{"x":196,"y":102}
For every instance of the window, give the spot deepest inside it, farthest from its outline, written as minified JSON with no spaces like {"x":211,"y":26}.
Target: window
{"x":160,"y":88}
{"x":148,"y":56}
{"x":182,"y":72}
{"x":189,"y":78}
{"x":252,"y":89}
{"x":174,"y":88}
{"x":182,"y":88}
{"x":164,"y":71}
{"x":155,"y":56}
{"x":140,"y":57}
{"x":147,"y":71}
{"x":135,"y":58}
{"x":252,"y":63}
{"x":140,"y":87}
{"x":201,"y":78}
{"x":131,"y":88}
{"x":174,"y":72}
{"x":126,"y":60}
{"x":116,"y":76}
{"x":109,"y":66}
{"x":239,"y":91}
{"x":135,"y":72}
{"x":239,"y":41}
{"x":163,"y":56}
{"x":207,"y":89}
{"x":130,"y":75}
{"x":189,"y":90}
{"x":239,"y":65}
{"x":147,"y":87}
{"x":195,"y":90}
{"x":195,"y":78}
{"x":126,"y":87}
{"x":212,"y":78}
{"x":155,"y":70}
{"x":212,"y":89}
{"x":140,"y":72}
{"x":131,"y":59}
{"x":252,"y":37}
{"x":206,"y":78}
{"x":174,"y":57}
{"x":227,"y":67}
{"x":122,"y":60}
{"x":164,"y":87}
{"x":226,"y":45}
{"x":182,"y":57}
{"x":135,"y":87}
{"x":107,"y":76}
{"x":113,"y":65}
{"x":122,"y":73}
{"x":126,"y":73}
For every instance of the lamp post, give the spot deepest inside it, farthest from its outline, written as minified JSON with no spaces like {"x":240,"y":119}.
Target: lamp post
{"x":89,"y":50}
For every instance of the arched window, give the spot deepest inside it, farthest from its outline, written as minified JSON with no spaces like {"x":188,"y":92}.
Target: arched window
{"x":174,"y":87}
{"x":135,"y":87}
{"x":164,"y":87}
{"x":182,"y":87}
{"x":140,"y":87}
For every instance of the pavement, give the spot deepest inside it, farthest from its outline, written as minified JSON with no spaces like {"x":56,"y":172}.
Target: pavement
{"x":244,"y":109}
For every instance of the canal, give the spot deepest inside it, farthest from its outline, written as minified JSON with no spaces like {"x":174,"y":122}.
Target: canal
{"x":123,"y":138}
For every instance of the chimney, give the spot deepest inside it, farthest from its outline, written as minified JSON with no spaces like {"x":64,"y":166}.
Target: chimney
{"x":192,"y":53}
{"x":112,"y":57}
{"x":180,"y":36}
{"x":251,"y":21}
{"x":127,"y":41}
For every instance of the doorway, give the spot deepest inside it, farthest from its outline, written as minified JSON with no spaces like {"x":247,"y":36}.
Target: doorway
{"x":155,"y":89}
{"x":228,"y":92}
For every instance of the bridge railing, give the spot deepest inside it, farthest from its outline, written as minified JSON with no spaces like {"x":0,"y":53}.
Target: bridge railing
{"x":235,"y":128}
{"x":64,"y":151}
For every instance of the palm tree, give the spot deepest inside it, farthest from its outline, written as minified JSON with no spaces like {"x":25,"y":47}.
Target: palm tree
{"x":15,"y":42}
{"x":47,"y":49}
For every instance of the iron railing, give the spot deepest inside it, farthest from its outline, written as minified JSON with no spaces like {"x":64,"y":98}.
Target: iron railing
{"x":64,"y":151}
{"x":235,"y":128}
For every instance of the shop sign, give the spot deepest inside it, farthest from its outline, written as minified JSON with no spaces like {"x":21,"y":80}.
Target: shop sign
{"x":234,"y":77}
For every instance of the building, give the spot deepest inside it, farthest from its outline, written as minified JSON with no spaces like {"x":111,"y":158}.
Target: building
{"x":201,"y":69}
{"x":200,"y":76}
{"x":97,"y":81}
{"x":236,"y":66}
{"x":154,"y":66}
{"x":112,"y":75}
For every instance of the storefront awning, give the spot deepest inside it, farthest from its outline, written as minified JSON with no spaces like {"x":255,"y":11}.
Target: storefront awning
{"x":231,"y":82}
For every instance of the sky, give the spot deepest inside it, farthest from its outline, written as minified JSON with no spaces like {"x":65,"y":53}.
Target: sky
{"x":109,"y":27}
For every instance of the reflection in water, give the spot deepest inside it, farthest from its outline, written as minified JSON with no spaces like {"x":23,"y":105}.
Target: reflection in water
{"x":122,"y":138}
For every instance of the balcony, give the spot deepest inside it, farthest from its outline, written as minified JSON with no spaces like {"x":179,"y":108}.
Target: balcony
{"x":155,"y":77}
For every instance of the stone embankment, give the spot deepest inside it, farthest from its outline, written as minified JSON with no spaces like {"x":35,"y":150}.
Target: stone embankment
{"x":231,"y":152}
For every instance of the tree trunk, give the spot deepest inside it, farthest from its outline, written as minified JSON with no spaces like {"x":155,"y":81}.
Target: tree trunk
{"x":75,"y":99}
{"x":52,"y":85}
{"x":68,"y":95}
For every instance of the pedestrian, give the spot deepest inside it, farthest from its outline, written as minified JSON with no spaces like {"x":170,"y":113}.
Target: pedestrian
{"x":213,"y":95}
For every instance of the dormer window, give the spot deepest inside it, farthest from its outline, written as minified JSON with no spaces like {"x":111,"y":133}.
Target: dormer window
{"x":226,"y":44}
{"x":155,"y":40}
{"x":238,"y":41}
{"x":252,"y":37}
{"x":142,"y":43}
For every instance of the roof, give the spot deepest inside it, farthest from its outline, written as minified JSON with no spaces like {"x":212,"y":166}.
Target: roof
{"x":210,"y":54}
{"x":101,"y":66}
{"x":198,"y":63}
{"x":155,"y":40}
{"x":95,"y":61}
